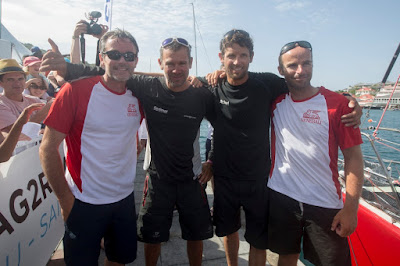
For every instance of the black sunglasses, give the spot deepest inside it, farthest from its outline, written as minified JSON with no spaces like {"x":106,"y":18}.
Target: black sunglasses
{"x":170,"y":41}
{"x":289,"y":46}
{"x":35,"y":87}
{"x":116,"y":55}
{"x":230,"y":33}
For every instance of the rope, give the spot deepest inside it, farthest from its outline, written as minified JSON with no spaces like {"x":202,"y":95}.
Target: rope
{"x":386,"y":107}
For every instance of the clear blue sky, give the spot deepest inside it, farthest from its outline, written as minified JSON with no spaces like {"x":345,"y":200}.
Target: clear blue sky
{"x":353,"y":40}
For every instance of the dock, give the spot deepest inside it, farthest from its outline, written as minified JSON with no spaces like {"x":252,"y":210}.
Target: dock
{"x":173,"y":252}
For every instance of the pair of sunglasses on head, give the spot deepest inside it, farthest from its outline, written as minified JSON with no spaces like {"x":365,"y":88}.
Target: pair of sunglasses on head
{"x":131,"y":56}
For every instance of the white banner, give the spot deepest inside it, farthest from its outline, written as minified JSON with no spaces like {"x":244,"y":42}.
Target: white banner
{"x":31,"y":224}
{"x":108,"y":13}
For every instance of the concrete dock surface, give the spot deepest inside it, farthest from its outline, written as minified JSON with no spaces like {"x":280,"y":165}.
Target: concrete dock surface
{"x":173,"y":252}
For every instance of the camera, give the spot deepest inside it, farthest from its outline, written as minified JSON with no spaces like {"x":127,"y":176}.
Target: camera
{"x":92,"y":27}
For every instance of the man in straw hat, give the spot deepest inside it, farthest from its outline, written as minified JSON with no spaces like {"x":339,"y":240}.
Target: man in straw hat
{"x":12,"y":101}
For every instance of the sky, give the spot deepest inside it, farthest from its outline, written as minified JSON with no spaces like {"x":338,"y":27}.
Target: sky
{"x":353,"y":40}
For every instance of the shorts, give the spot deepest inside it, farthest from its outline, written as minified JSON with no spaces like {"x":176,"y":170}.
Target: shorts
{"x":291,"y":220}
{"x":232,"y":194}
{"x":159,"y":200}
{"x":88,"y":223}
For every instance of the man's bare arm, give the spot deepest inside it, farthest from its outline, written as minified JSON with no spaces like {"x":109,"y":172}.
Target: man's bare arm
{"x":345,"y":222}
{"x":53,"y":169}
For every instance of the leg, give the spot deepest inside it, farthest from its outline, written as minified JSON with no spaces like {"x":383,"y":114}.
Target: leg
{"x":195,"y":252}
{"x":288,"y":260}
{"x":231,"y":244}
{"x":151,"y":253}
{"x":257,"y":256}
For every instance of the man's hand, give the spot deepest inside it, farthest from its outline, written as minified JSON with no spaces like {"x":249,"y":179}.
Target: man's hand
{"x":212,"y":78}
{"x":206,"y":173}
{"x":195,"y":82}
{"x":345,"y":222}
{"x":80,"y":28}
{"x":26,"y":113}
{"x":352,"y":119}
{"x":53,"y":60}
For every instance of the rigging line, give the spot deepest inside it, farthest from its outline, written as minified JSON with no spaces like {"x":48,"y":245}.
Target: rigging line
{"x":386,"y":107}
{"x":202,"y":41}
{"x":388,"y":141}
{"x":387,"y":145}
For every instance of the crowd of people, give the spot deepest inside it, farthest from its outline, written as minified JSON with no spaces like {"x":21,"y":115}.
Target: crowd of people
{"x":287,"y":183}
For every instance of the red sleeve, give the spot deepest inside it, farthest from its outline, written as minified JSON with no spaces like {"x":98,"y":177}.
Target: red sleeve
{"x":62,"y":112}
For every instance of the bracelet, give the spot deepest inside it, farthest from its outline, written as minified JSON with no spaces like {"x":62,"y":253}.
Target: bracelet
{"x":75,"y":37}
{"x":209,"y":161}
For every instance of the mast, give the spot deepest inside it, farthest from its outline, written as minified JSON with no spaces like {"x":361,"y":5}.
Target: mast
{"x":391,"y":64}
{"x":195,"y":41}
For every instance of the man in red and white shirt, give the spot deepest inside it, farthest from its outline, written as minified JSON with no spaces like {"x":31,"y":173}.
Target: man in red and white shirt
{"x":305,"y":194}
{"x":98,"y":118}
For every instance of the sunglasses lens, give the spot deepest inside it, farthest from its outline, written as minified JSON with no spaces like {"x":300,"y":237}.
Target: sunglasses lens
{"x":113,"y":55}
{"x":182,"y":41}
{"x":129,"y":56}
{"x":33,"y":86}
{"x":292,"y":45}
{"x":166,"y":42}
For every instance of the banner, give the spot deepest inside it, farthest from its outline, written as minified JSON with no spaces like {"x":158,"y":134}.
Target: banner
{"x":108,"y":13}
{"x":31,"y":224}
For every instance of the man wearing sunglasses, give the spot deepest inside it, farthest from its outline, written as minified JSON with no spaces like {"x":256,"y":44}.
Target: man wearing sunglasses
{"x":305,"y":196}
{"x":174,"y":111}
{"x":98,"y":118}
{"x":240,"y":156}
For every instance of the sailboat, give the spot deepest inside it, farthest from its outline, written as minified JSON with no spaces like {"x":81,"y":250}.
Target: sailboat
{"x":376,"y":239}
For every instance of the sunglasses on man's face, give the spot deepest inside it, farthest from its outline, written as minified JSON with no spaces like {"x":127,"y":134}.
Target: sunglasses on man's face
{"x":116,"y":55}
{"x":289,"y":46}
{"x":170,"y":41}
{"x":35,"y":87}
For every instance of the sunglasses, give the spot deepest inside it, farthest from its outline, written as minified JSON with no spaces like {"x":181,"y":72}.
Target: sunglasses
{"x":170,"y":41}
{"x":35,"y":87}
{"x":116,"y":55}
{"x":289,"y":46}
{"x":230,"y":33}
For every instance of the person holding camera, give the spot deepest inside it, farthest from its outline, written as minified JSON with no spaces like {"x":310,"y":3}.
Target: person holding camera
{"x":83,"y":27}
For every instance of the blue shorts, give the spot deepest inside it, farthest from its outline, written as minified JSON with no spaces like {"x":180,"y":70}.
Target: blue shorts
{"x":87,"y":224}
{"x":290,"y":221}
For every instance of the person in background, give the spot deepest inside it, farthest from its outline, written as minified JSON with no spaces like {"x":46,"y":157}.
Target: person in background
{"x":98,"y":118}
{"x":36,"y":52}
{"x":32,"y":65}
{"x":81,"y":28}
{"x":305,"y":195}
{"x":8,"y":143}
{"x":13,"y":101}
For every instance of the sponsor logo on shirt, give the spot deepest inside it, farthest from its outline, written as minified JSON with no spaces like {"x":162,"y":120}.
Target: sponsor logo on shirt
{"x":160,"y":110}
{"x":224,"y":102}
{"x":311,"y":116}
{"x":132,"y":111}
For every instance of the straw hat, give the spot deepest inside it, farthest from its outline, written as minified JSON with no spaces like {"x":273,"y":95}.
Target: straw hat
{"x":10,"y":66}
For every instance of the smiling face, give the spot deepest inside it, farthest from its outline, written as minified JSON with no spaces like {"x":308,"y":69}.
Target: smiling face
{"x":176,"y":65}
{"x":118,"y":71}
{"x":34,"y":69}
{"x":296,"y":66}
{"x":236,"y":61}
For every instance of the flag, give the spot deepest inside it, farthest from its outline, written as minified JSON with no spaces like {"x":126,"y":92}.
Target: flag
{"x":108,"y":13}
